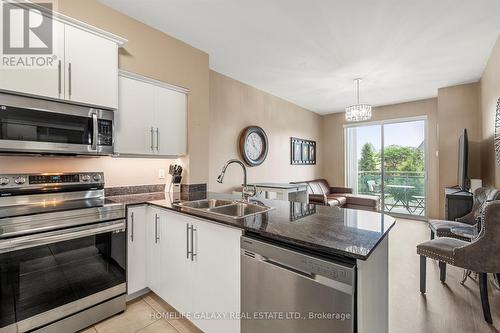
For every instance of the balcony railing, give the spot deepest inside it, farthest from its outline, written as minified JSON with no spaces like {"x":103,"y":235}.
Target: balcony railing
{"x":404,"y":191}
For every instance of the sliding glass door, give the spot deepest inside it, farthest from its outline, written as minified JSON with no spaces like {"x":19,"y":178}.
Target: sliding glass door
{"x":387,"y":159}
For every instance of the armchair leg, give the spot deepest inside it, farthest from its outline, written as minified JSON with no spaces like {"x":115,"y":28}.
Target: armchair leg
{"x":483,"y":289}
{"x":442,"y":271}
{"x":422,"y":273}
{"x":432,"y":234}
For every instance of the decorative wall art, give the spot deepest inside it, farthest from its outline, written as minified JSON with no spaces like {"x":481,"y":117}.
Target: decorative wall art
{"x":303,"y":152}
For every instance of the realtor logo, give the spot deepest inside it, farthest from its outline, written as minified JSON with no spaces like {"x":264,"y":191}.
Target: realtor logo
{"x":26,"y":29}
{"x":27,"y":35}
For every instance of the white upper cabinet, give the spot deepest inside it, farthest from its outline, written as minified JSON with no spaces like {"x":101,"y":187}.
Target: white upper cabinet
{"x":91,"y":68}
{"x":151,"y":118}
{"x":82,"y":68}
{"x":171,"y":121}
{"x":133,"y":121}
{"x":47,"y":81}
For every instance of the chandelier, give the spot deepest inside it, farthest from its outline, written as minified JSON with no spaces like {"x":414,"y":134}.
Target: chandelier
{"x":358,"y":112}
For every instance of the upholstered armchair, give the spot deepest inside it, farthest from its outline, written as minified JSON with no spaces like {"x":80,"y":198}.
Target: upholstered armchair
{"x":480,"y":255}
{"x":467,"y":223}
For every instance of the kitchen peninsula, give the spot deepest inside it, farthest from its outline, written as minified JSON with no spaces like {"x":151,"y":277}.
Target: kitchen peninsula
{"x":354,"y":241}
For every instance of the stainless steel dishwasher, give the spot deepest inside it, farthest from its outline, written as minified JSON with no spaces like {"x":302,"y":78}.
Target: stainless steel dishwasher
{"x":283,"y":290}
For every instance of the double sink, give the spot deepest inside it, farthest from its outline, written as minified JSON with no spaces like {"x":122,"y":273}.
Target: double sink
{"x":225,"y":208}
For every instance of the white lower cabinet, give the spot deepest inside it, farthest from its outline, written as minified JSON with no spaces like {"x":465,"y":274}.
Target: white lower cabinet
{"x":136,"y":240}
{"x":155,"y":232}
{"x":206,"y":283}
{"x":193,"y":265}
{"x":216,"y":286}
{"x":177,"y":268}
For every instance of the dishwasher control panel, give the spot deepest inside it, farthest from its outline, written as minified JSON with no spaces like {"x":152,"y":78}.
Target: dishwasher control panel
{"x":297,"y":261}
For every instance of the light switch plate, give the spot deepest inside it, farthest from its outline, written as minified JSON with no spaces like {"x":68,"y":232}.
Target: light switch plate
{"x":161,"y":173}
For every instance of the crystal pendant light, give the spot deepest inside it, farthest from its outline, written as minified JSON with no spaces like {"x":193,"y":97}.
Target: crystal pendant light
{"x":358,"y":112}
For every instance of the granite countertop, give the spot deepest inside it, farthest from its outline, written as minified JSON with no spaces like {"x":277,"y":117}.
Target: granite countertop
{"x":328,"y":230}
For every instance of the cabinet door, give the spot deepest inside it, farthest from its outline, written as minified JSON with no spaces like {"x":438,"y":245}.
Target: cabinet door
{"x":136,"y":259}
{"x":134,"y":118}
{"x":216,"y":287}
{"x":171,"y":121}
{"x":177,"y":267}
{"x":47,"y":81}
{"x":153,"y":249}
{"x":91,"y":68}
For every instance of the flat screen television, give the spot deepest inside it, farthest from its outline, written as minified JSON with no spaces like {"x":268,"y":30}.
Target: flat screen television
{"x":463,"y":162}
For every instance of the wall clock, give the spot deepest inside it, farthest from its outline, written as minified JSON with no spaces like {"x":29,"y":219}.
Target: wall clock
{"x":497,"y":132}
{"x":253,"y":145}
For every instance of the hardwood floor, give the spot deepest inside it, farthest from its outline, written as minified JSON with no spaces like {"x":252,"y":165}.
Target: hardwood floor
{"x":448,"y":307}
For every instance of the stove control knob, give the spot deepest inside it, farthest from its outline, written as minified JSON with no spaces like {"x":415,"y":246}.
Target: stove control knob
{"x":4,"y":181}
{"x":97,"y":177}
{"x":85,"y":178}
{"x":20,"y":180}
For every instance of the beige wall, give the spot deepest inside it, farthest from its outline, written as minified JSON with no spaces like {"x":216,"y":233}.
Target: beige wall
{"x":490,"y":92}
{"x":151,"y":53}
{"x":333,"y":143}
{"x":233,"y":106}
{"x":458,"y":108}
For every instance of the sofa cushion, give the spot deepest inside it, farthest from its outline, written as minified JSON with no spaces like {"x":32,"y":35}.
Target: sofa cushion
{"x":332,"y":202}
{"x":341,"y":200}
{"x":315,"y":188}
{"x":362,"y":200}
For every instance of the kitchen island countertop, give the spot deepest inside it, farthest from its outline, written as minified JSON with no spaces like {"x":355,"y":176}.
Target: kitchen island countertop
{"x":327,"y":230}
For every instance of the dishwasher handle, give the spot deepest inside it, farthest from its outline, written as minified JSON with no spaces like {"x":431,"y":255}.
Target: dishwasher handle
{"x":314,"y":267}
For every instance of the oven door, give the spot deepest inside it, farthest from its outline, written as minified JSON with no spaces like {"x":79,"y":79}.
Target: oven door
{"x":48,"y":276}
{"x":30,"y":125}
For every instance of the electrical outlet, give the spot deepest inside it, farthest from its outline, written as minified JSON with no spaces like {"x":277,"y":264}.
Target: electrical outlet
{"x":161,"y":173}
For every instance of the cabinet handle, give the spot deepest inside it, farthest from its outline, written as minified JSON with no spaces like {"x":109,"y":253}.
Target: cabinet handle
{"x":193,"y":254}
{"x":157,"y":236}
{"x":152,"y":139}
{"x":157,"y":139}
{"x":69,"y":79}
{"x":132,"y":226}
{"x":188,"y":252}
{"x":59,"y":78}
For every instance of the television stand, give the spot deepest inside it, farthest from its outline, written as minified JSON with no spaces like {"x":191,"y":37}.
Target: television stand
{"x":457,"y":203}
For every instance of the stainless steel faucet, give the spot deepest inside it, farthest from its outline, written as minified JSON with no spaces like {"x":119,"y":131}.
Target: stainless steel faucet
{"x":245,"y":193}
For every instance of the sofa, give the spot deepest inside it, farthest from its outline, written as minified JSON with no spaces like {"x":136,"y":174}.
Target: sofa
{"x":321,"y":193}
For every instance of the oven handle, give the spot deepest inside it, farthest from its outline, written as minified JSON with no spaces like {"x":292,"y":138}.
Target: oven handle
{"x":25,"y":242}
{"x":95,"y":136}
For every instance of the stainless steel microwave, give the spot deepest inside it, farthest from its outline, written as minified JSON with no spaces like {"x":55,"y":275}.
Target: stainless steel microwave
{"x":35,"y":126}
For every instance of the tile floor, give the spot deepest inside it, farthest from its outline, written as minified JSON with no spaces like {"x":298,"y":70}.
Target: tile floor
{"x":144,"y":315}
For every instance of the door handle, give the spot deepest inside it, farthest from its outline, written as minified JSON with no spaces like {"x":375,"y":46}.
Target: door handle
{"x":152,"y":138}
{"x":132,"y":226}
{"x":157,"y":139}
{"x":69,"y":80}
{"x":95,"y":136}
{"x":59,"y":78}
{"x":193,"y":254}
{"x":188,"y":228}
{"x":157,"y":236}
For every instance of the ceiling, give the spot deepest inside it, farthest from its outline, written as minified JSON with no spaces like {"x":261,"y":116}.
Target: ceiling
{"x":309,"y":51}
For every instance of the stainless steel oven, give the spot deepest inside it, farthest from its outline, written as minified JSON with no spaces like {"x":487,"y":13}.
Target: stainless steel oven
{"x":31,"y":125}
{"x":62,"y":253}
